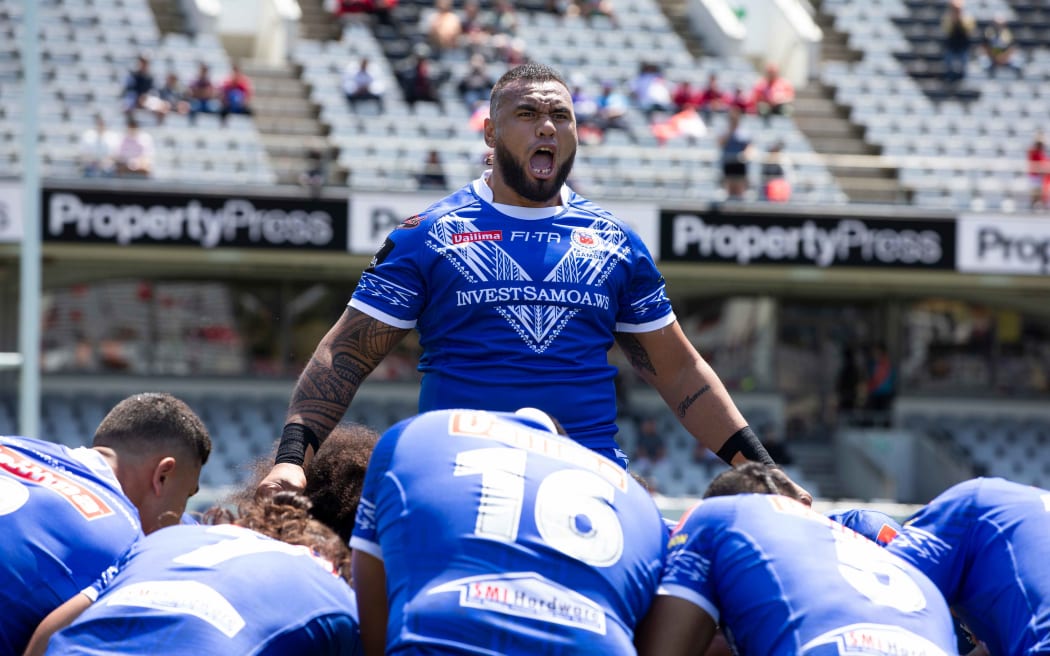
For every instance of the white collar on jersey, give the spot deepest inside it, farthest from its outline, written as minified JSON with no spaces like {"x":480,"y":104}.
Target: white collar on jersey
{"x":484,"y":192}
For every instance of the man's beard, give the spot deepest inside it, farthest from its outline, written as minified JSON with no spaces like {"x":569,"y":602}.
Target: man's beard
{"x":517,"y":178}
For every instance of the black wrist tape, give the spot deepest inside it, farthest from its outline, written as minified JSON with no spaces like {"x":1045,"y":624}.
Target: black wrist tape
{"x":294,"y":440}
{"x":746,"y":442}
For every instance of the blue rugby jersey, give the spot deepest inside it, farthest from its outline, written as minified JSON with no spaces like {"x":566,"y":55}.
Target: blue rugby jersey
{"x":517,"y":306}
{"x":986,"y":544}
{"x":783,"y":579}
{"x":872,"y":524}
{"x":500,"y":538}
{"x":64,"y":519}
{"x":194,"y":590}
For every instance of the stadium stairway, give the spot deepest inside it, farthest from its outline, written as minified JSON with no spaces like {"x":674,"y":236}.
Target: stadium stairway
{"x":316,"y":23}
{"x":677,"y":11}
{"x":288,"y":123}
{"x":827,"y":125}
{"x":170,"y":19}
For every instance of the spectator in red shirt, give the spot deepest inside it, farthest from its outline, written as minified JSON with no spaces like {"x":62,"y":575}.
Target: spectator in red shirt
{"x":685,"y":95}
{"x":235,"y":94}
{"x":714,"y":99}
{"x":773,"y":94}
{"x":1039,"y":172}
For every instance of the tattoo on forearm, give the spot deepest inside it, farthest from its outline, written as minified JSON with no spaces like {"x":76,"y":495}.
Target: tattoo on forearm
{"x":636,"y":353}
{"x":689,"y":400}
{"x":324,"y":391}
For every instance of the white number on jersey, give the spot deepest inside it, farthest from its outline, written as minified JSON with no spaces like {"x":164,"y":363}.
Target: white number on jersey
{"x":572,"y":510}
{"x":872,"y":572}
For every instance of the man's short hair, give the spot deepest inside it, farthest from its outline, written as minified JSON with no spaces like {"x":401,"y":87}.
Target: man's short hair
{"x":336,"y":475}
{"x":147,"y":423}
{"x":751,"y":478}
{"x":531,"y":72}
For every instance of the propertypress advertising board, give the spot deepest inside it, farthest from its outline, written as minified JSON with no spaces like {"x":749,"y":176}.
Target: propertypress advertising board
{"x":10,"y":212}
{"x":801,"y":240}
{"x":200,"y":220}
{"x":1004,"y":244}
{"x":374,"y":215}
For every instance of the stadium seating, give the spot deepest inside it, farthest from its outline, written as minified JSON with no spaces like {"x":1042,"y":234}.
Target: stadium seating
{"x":631,"y":166}
{"x":86,"y":50}
{"x":955,"y":151}
{"x":1009,"y":445}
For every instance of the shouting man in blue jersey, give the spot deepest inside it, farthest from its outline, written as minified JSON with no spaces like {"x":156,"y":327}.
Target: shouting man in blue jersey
{"x":518,"y":288}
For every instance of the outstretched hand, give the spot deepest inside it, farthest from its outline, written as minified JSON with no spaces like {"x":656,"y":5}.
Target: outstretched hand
{"x":283,"y":477}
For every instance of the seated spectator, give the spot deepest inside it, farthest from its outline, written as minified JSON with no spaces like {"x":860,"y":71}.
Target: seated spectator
{"x":476,"y":122}
{"x":351,"y":10}
{"x":98,"y":150}
{"x":202,"y":94}
{"x":421,"y":80}
{"x":650,"y":90}
{"x":235,"y":94}
{"x":509,"y":50}
{"x":315,"y":173}
{"x":477,"y":31}
{"x":433,"y":174}
{"x":612,"y":108}
{"x":958,"y":29}
{"x":1039,"y":173}
{"x":174,"y":95}
{"x":140,"y":91}
{"x":685,"y":95}
{"x":504,"y":18}
{"x":1000,"y":49}
{"x":713,"y":99}
{"x":134,"y":156}
{"x":443,"y":28}
{"x":686,"y":123}
{"x":586,"y":109}
{"x":736,"y":152}
{"x":773,"y":94}
{"x":589,"y":9}
{"x":476,"y":85}
{"x":359,"y":84}
{"x":741,"y":100}
{"x":776,"y":175}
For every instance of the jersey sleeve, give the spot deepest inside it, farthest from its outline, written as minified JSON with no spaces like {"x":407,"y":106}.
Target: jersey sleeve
{"x":877,"y":526}
{"x":646,"y":307}
{"x":378,"y":484}
{"x":688,"y":573}
{"x":934,"y":539}
{"x":392,"y":288}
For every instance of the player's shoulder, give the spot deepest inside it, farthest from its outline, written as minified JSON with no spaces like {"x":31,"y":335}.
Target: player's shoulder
{"x":585,"y":207}
{"x":454,"y":203}
{"x":419,"y":224}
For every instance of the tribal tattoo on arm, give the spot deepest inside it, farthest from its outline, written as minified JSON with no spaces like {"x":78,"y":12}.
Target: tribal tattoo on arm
{"x":636,"y":354}
{"x":350,"y":351}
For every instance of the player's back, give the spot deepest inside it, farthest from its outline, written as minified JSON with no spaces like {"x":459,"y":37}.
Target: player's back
{"x":787,"y":580}
{"x":64,"y":520}
{"x":984,"y":543}
{"x":196,"y":590}
{"x":499,"y":538}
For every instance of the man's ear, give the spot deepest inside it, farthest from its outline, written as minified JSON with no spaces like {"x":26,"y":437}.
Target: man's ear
{"x":162,"y":473}
{"x":490,"y":133}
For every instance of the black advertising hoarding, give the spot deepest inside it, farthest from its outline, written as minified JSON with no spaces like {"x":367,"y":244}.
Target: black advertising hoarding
{"x":199,"y":220}
{"x":806,"y":240}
